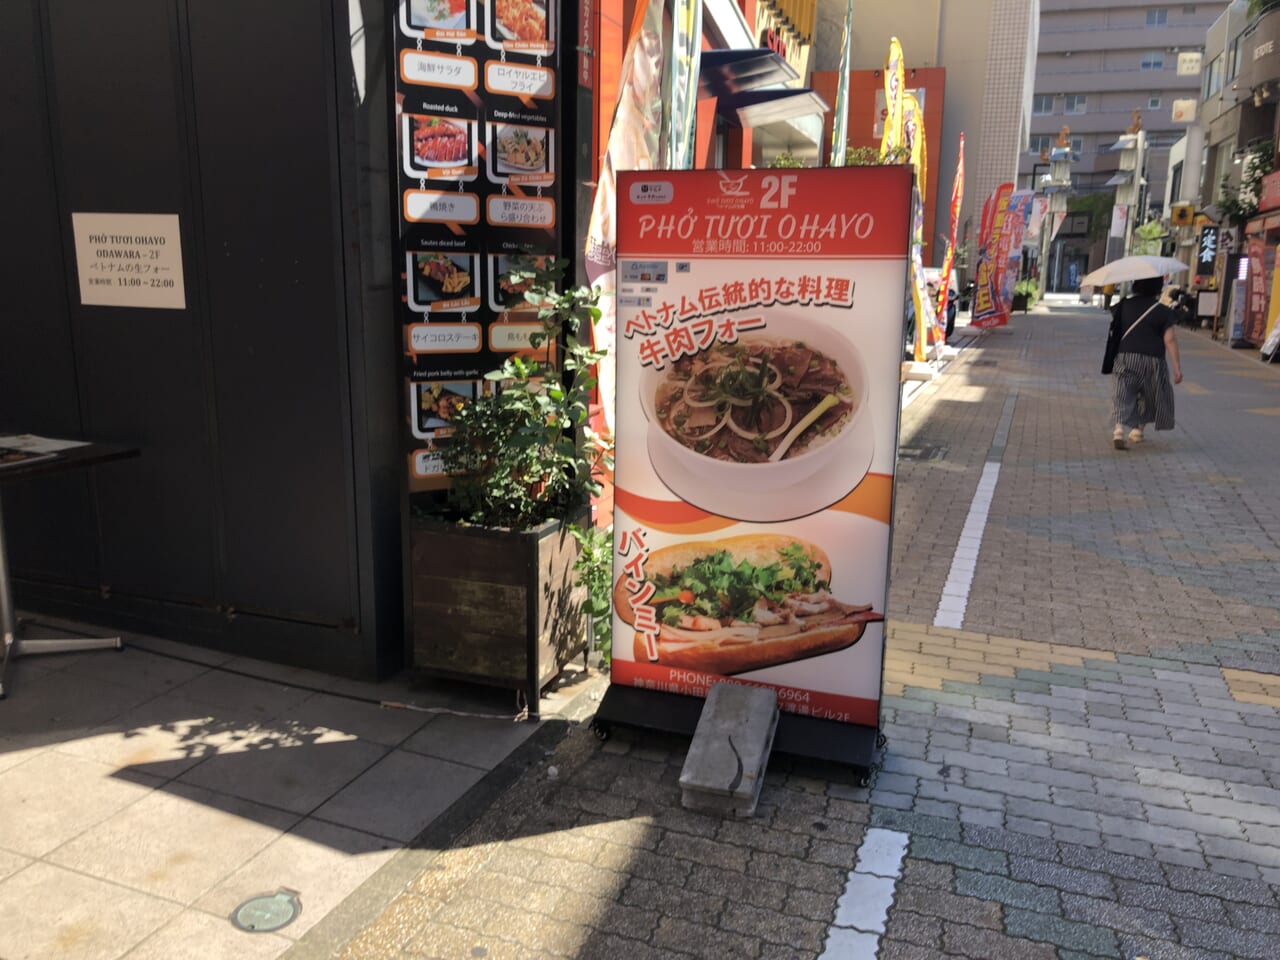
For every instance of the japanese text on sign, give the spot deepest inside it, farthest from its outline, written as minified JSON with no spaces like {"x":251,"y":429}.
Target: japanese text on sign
{"x":519,"y":80}
{"x":129,"y":260}
{"x":521,"y":211}
{"x":437,"y":70}
{"x":673,"y":330}
{"x":635,"y":551}
{"x":444,"y":338}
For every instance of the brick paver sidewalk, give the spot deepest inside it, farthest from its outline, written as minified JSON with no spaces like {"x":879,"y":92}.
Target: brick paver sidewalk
{"x":1089,"y":768}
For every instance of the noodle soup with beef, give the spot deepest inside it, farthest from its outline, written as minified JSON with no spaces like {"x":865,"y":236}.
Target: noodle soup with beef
{"x":760,"y":400}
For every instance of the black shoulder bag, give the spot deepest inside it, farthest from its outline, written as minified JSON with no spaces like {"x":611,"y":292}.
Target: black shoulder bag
{"x":1114,"y":336}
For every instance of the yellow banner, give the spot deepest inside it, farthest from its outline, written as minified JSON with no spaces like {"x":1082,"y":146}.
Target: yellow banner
{"x":894,"y":90}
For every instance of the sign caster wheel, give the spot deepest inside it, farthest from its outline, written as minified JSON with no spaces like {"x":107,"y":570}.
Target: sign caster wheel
{"x":881,"y":741}
{"x":602,"y":731}
{"x":864,"y":780}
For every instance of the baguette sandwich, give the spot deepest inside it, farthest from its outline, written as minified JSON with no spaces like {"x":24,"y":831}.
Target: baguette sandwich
{"x":742,"y":603}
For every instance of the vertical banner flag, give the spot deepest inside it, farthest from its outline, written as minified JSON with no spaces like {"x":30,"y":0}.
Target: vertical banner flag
{"x":633,"y":145}
{"x":949,"y":259}
{"x":840,"y":119}
{"x":1011,"y":236}
{"x":894,"y":84}
{"x":758,"y":395}
{"x":681,"y":123}
{"x":988,"y":301}
{"x":925,"y":307}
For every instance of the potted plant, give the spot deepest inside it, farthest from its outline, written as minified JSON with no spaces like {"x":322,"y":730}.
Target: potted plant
{"x":495,"y":598}
{"x":1025,"y":292}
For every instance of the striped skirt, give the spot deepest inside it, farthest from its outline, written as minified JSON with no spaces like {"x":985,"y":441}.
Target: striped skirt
{"x":1144,"y":392}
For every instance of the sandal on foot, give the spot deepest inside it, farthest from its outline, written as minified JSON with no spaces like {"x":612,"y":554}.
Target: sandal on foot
{"x":1117,"y":438}
{"x":1135,"y":435}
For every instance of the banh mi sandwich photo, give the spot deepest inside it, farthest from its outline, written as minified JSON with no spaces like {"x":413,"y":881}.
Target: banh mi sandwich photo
{"x":742,"y":603}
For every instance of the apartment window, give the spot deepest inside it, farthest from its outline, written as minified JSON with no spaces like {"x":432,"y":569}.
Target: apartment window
{"x":1153,"y":60}
{"x":1213,"y":77}
{"x":1189,"y":10}
{"x":1153,"y":102}
{"x":1077,"y":145}
{"x":1042,"y":103}
{"x":1075,"y":103}
{"x":1040,"y":143}
{"x":1233,"y":58}
{"x":1157,"y":18}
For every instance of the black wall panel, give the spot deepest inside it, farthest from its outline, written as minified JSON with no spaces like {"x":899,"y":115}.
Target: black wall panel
{"x":50,"y":525}
{"x":266,"y":142}
{"x":120,"y":141}
{"x":264,"y":514}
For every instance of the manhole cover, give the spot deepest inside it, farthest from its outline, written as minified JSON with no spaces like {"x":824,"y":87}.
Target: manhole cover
{"x":985,"y":363}
{"x":267,"y":912}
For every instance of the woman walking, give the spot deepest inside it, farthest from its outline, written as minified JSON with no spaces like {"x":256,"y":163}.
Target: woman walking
{"x":1143,"y":393}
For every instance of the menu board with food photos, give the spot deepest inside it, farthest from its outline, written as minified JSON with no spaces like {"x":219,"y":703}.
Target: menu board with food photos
{"x":479,"y":164}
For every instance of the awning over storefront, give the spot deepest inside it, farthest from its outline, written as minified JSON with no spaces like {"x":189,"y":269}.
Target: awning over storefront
{"x":727,"y":72}
{"x":750,"y":91}
{"x":758,"y":108}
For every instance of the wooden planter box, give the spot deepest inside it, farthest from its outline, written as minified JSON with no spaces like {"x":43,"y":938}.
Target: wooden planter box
{"x":497,"y":607}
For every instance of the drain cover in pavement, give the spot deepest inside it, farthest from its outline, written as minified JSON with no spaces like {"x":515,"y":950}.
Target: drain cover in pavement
{"x":928,"y":452}
{"x":268,"y":912}
{"x":985,"y":363}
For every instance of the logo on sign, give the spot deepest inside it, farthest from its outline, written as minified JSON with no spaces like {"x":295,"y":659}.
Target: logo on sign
{"x":733,"y":186}
{"x":652,"y":192}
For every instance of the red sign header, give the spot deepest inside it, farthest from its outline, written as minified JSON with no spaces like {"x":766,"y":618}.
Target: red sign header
{"x":755,"y":213}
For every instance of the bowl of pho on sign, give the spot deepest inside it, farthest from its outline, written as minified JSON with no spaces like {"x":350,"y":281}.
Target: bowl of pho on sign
{"x":762,"y":413}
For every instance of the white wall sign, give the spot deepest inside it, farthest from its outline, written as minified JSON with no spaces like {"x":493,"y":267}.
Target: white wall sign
{"x":129,"y":260}
{"x":1184,"y":111}
{"x":1189,"y":64}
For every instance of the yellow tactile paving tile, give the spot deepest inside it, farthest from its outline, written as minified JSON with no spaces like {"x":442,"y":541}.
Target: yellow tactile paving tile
{"x":1265,"y":411}
{"x":1195,"y":389}
{"x":1249,"y":686}
{"x":924,"y":657}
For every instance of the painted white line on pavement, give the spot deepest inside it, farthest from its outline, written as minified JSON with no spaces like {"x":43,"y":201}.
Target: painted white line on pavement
{"x":955,"y":592}
{"x":863,"y":908}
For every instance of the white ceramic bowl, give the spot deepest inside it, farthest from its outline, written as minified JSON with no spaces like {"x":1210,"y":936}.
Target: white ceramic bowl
{"x":710,"y":474}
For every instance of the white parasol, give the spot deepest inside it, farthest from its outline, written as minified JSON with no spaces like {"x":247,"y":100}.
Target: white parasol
{"x":1137,"y":267}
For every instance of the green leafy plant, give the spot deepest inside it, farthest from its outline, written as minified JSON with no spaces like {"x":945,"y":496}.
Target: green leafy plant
{"x":786,"y":160}
{"x":1149,"y":238}
{"x":524,"y":452}
{"x":1239,"y":202}
{"x":594,"y":568}
{"x":870,"y":156}
{"x":1027,"y":287}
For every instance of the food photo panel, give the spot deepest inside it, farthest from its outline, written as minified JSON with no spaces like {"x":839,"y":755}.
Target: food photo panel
{"x":442,"y":282}
{"x":509,"y":279}
{"x":521,"y":25}
{"x":424,"y":17}
{"x":438,"y":147}
{"x":435,"y":405}
{"x":521,"y":153}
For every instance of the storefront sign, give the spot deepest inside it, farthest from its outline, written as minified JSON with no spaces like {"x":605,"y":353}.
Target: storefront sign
{"x":1255,"y":321}
{"x":760,"y":337}
{"x":1269,"y":192}
{"x":1189,"y":63}
{"x":129,"y":260}
{"x":1207,"y":251}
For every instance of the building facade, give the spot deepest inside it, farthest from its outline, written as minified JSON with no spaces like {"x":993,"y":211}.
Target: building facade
{"x":1104,"y":65}
{"x":988,"y":50}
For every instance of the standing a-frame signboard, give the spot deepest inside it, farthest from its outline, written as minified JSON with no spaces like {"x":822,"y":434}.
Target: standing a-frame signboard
{"x":760,"y":332}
